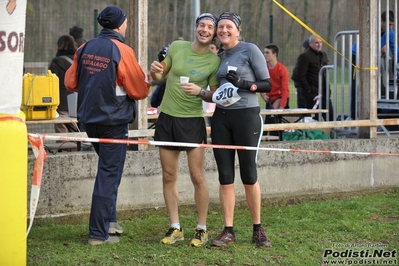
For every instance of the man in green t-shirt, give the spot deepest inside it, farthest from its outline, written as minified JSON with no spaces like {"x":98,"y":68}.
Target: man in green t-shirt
{"x":182,"y":120}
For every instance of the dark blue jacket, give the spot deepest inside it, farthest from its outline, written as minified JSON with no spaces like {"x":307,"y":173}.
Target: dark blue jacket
{"x":108,"y":79}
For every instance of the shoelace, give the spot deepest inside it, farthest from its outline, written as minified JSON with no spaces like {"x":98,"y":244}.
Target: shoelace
{"x":170,"y":231}
{"x":262,"y":235}
{"x":198,"y":234}
{"x":223,"y":235}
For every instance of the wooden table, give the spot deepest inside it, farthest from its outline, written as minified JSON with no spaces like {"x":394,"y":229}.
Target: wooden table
{"x":300,"y":113}
{"x":62,"y":119}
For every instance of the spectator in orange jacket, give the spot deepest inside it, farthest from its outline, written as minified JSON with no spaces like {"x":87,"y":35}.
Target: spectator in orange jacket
{"x":278,"y":97}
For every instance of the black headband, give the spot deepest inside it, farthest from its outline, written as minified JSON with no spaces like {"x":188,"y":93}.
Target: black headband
{"x":231,"y":16}
{"x":208,"y":16}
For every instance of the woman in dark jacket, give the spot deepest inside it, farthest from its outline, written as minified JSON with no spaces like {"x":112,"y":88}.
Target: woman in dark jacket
{"x":66,"y":48}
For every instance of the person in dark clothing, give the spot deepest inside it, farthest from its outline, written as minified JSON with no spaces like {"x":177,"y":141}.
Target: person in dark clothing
{"x":77,"y":33}
{"x":66,"y":48}
{"x":301,"y":102}
{"x":308,"y":67}
{"x":109,"y":80}
{"x":157,"y":94}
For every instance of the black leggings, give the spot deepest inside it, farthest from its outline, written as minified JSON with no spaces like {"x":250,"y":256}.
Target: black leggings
{"x":241,"y":127}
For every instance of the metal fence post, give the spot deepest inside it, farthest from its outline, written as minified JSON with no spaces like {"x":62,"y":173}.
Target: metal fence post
{"x":95,"y":23}
{"x":271,"y":28}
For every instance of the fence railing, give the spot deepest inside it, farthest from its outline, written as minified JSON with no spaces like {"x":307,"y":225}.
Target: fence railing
{"x":346,"y":76}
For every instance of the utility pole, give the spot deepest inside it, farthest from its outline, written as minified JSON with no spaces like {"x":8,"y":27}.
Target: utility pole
{"x":196,"y":11}
{"x":368,"y":59}
{"x":137,"y":33}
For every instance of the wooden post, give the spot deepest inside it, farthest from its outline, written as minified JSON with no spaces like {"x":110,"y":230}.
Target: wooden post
{"x":368,"y":43}
{"x":137,"y":39}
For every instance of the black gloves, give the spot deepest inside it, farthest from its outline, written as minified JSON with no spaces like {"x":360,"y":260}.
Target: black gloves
{"x":234,"y":79}
{"x":162,"y":53}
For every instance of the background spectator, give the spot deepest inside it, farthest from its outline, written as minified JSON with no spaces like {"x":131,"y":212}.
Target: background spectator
{"x":278,"y":97}
{"x":66,"y":48}
{"x":301,"y":101}
{"x":77,"y":33}
{"x":308,"y":67}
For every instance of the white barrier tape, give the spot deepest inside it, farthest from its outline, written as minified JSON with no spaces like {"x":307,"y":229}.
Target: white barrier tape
{"x":40,"y":154}
{"x":211,"y":146}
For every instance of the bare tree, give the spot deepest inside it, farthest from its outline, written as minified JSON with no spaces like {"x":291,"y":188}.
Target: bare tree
{"x":168,"y":19}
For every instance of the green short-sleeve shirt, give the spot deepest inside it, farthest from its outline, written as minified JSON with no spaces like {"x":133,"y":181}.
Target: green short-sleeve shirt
{"x":200,"y":68}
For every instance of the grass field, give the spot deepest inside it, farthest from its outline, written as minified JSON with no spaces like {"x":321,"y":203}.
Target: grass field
{"x":301,"y":230}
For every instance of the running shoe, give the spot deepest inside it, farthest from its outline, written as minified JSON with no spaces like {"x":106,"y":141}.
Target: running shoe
{"x":110,"y":240}
{"x":224,"y":239}
{"x":260,"y":238}
{"x":200,"y":238}
{"x":172,"y":236}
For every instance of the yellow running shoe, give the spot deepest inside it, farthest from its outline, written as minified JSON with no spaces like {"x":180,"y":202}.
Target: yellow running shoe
{"x":200,"y":238}
{"x":172,"y":236}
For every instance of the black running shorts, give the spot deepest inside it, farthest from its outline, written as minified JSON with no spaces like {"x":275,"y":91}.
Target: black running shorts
{"x":175,"y":129}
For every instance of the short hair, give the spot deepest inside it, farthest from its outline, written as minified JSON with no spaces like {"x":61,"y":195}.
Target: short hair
{"x":312,"y":38}
{"x":391,"y":16}
{"x":76,"y":32}
{"x":273,"y":47}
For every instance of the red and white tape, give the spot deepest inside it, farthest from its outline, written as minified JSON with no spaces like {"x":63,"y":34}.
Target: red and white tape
{"x":209,"y":146}
{"x":41,"y":156}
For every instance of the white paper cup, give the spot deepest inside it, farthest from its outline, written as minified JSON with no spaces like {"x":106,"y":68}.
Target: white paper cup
{"x":184,"y":79}
{"x":231,"y":68}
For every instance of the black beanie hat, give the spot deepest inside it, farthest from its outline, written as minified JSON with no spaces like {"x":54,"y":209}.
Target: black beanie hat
{"x":111,"y":17}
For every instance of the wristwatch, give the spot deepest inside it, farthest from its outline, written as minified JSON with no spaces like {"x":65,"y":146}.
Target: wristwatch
{"x":202,"y":93}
